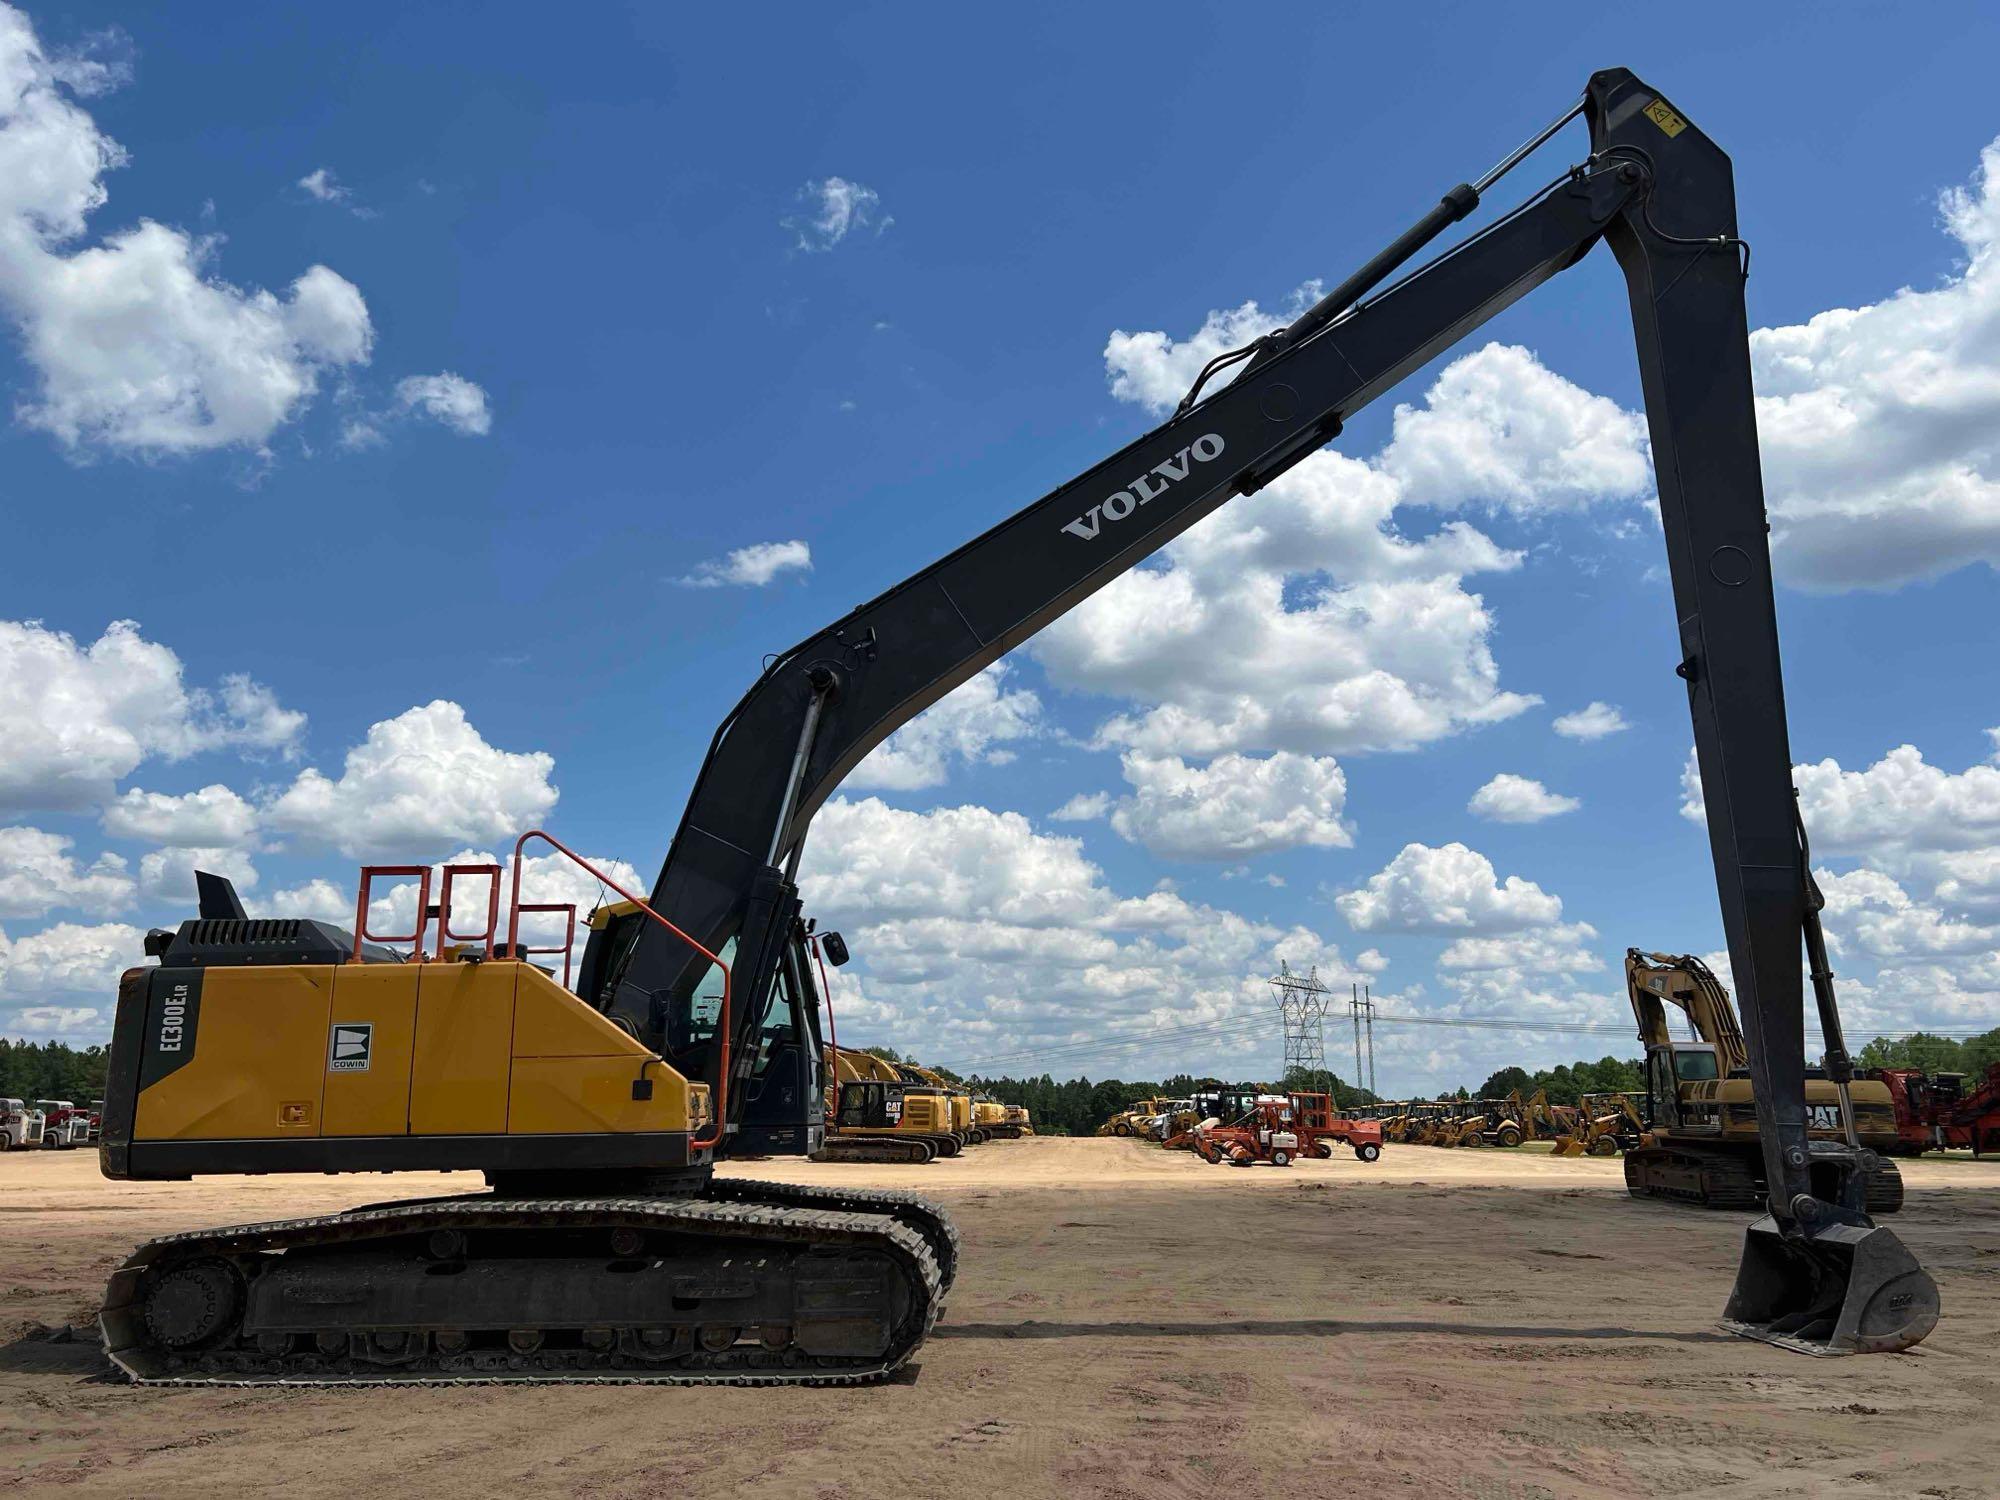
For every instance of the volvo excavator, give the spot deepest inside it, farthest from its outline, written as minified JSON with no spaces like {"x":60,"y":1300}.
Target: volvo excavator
{"x":1701,"y":1142}
{"x":610,"y":1246}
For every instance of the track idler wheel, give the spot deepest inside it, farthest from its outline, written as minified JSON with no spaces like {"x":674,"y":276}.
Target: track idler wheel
{"x":191,"y":1305}
{"x":1847,"y":1289}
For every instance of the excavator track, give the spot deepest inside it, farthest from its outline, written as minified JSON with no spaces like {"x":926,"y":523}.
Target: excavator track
{"x":478,"y":1290}
{"x":1719,"y":1179}
{"x":906,"y":1151}
{"x":908,"y":1209}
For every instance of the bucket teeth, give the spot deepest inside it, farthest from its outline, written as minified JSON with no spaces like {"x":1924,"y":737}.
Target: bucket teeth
{"x":1849,"y":1289}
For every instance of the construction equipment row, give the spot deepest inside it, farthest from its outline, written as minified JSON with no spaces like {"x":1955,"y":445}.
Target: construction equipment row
{"x":881,"y":1111}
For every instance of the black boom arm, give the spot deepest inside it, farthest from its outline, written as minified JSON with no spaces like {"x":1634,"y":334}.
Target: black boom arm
{"x":1661,"y":194}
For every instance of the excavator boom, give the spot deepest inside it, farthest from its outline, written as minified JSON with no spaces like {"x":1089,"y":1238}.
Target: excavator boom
{"x":1661,"y":195}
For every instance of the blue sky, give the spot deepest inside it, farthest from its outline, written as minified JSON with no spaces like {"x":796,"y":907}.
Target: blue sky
{"x":608,"y":299}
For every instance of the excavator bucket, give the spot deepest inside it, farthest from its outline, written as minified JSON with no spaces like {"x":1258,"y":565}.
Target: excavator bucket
{"x":1850,"y":1289}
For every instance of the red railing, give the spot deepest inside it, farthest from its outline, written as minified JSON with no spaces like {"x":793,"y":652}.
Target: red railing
{"x":416,"y":938}
{"x":445,"y":934}
{"x":516,"y":908}
{"x":569,"y":935}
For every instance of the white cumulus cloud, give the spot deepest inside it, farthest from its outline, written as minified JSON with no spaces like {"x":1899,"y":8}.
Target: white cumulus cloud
{"x":167,"y":875}
{"x":136,"y":344}
{"x":452,"y":400}
{"x":1508,"y":798}
{"x":1446,"y":889}
{"x":38,"y":874}
{"x":1499,"y":429}
{"x":970,"y":725}
{"x":81,"y":718}
{"x":1236,"y":807}
{"x":69,"y":961}
{"x":1592,"y":722}
{"x":1084,"y":807}
{"x":752,"y":566}
{"x":1880,"y":424}
{"x":975,"y":935}
{"x":212,"y":816}
{"x":419,"y":780}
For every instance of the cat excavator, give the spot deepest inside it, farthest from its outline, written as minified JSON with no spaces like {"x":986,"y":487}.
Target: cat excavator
{"x":1701,"y":1144}
{"x":609,"y":1245}
{"x":874,"y":1115}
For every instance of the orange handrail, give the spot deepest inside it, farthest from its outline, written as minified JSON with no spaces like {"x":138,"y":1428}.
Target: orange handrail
{"x":445,"y":934}
{"x":722,"y":1027}
{"x":416,"y":939}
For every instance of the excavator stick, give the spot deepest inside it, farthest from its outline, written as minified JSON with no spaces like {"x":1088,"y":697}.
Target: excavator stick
{"x":1850,"y":1289}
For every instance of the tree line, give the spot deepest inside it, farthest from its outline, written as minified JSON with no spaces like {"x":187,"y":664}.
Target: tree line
{"x":51,"y":1070}
{"x":1569,"y":1083}
{"x":1934,"y":1054}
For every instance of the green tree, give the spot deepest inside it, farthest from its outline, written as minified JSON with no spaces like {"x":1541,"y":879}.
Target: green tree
{"x":1500,"y":1084}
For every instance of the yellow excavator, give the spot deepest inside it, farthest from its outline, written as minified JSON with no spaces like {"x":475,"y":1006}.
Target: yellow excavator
{"x":1018,"y":1120}
{"x":882,"y":1116}
{"x":958,"y":1101}
{"x":1702,"y":1141}
{"x":610,"y":1246}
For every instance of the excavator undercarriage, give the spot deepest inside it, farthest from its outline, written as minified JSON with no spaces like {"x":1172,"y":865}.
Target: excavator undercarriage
{"x":743,"y":1289}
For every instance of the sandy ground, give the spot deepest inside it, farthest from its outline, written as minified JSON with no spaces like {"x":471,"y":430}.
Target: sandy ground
{"x":1128,"y":1322}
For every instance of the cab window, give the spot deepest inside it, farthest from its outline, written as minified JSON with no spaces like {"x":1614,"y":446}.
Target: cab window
{"x":1695,"y":1067}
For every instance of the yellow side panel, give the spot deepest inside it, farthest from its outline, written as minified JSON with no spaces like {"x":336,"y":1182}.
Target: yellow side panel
{"x":551,"y":1022}
{"x":574,"y":1070}
{"x":259,"y":1060}
{"x":572,"y":1095}
{"x":465,"y":1040}
{"x":371,"y":1095}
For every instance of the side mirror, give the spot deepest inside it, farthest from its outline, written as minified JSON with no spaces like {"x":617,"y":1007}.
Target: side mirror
{"x":835,"y":948}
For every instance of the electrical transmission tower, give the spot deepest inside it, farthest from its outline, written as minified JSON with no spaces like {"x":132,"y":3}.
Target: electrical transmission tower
{"x":1302,"y":1003}
{"x":1363,"y":1009}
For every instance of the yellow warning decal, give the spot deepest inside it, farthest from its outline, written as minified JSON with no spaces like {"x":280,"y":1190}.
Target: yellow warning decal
{"x":1662,"y":115}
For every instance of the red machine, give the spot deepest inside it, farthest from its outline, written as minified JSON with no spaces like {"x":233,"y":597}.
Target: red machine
{"x":1973,"y":1117}
{"x":1281,"y":1130}
{"x":1936,"y":1113}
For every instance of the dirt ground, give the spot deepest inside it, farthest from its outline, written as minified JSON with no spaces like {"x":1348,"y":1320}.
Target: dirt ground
{"x":1127,"y":1322}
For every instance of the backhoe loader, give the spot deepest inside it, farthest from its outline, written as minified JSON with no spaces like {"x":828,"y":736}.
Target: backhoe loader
{"x":1131,"y":1120}
{"x":608,"y":1246}
{"x":1703,"y":1144}
{"x":1604,"y":1125}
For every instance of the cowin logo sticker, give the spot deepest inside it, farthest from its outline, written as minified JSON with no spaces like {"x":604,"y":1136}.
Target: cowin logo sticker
{"x":1145,"y":488}
{"x":352,"y":1042}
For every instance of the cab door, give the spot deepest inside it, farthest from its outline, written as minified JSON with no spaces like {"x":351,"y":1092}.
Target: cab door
{"x":1663,"y":1102}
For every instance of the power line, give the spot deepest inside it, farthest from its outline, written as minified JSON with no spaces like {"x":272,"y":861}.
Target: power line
{"x":1212,"y":1030}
